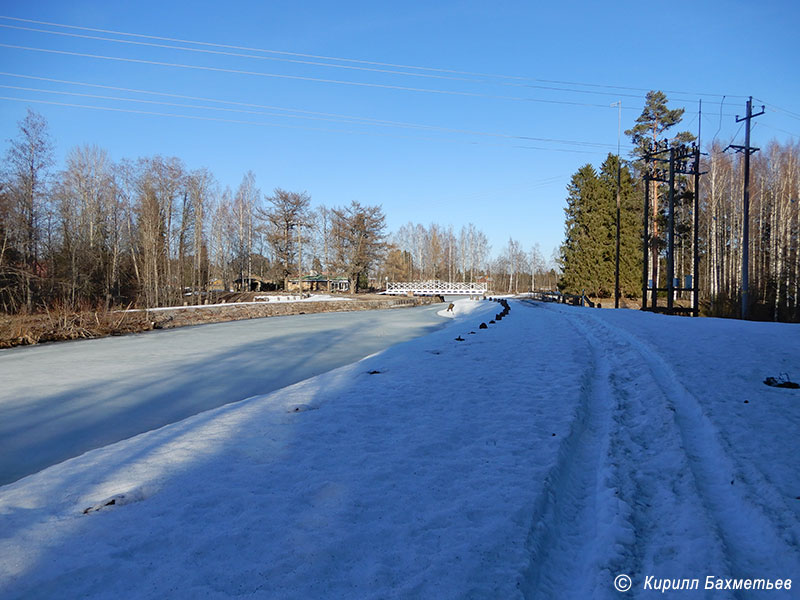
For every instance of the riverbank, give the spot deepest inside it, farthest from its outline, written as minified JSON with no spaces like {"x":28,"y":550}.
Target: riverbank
{"x":66,"y":325}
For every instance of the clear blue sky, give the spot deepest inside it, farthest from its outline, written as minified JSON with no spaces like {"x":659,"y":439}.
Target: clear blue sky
{"x":448,"y":174}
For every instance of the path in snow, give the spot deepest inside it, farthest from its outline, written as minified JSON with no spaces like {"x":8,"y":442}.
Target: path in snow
{"x":60,"y":400}
{"x":646,"y":487}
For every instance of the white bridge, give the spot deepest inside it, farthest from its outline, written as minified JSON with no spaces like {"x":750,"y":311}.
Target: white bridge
{"x":435,"y":288}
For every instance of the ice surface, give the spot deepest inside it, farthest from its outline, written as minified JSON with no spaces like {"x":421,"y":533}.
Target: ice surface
{"x":60,"y":400}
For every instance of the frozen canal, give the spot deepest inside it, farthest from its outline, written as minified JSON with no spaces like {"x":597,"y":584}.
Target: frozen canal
{"x":60,"y":400}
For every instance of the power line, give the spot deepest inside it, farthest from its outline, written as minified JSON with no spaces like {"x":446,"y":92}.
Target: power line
{"x":311,"y":116}
{"x":280,"y":125}
{"x":353,"y":61}
{"x":299,"y":77}
{"x":517,"y":189}
{"x":312,"y":63}
{"x":778,"y":129}
{"x":257,"y":57}
{"x":330,"y":65}
{"x":185,"y":97}
{"x":721,"y":103}
{"x":775,"y":108}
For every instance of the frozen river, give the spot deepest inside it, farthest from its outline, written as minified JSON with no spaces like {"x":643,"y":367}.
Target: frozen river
{"x":61,"y":400}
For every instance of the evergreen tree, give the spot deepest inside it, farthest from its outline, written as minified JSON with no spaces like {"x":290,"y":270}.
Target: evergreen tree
{"x":588,"y":253}
{"x":630,"y":250}
{"x":581,"y":250}
{"x":656,"y":119}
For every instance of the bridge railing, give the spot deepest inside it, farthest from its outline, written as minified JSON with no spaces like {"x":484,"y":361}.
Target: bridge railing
{"x":435,"y":287}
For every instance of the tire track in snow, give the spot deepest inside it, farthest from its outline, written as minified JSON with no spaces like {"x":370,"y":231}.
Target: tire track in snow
{"x":621,"y":498}
{"x":755,"y":539}
{"x":578,"y":514}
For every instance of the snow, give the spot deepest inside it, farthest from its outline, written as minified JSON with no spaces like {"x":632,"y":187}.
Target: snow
{"x":538,"y":458}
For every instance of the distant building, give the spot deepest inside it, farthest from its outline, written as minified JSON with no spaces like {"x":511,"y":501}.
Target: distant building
{"x":254,"y":283}
{"x":319,"y":283}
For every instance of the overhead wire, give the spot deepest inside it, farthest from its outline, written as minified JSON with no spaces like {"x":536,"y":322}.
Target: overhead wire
{"x":299,"y":77}
{"x":331,"y":65}
{"x":775,"y":108}
{"x":311,"y":115}
{"x":347,"y":60}
{"x":281,"y":125}
{"x":313,"y":63}
{"x":430,"y":72}
{"x":781,"y":130}
{"x":721,"y":103}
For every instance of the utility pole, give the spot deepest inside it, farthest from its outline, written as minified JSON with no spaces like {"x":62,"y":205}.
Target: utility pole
{"x":748,"y":150}
{"x":671,"y":233}
{"x":654,"y":175}
{"x":646,"y":236}
{"x":619,"y":170}
{"x":679,"y":164}
{"x":696,"y":219}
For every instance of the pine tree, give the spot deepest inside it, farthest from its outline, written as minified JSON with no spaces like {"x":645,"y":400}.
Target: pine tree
{"x":656,"y":119}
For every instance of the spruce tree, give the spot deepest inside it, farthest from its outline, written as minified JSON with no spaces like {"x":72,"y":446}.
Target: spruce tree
{"x":589,"y":250}
{"x":581,"y":248}
{"x":630,"y":251}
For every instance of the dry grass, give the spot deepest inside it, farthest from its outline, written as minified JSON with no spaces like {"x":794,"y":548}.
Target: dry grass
{"x":60,"y":324}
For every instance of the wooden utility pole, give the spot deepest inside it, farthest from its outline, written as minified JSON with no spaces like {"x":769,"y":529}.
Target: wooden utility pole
{"x":748,"y":150}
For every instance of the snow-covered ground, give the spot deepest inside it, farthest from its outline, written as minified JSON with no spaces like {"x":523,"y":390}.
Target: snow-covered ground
{"x":60,"y":400}
{"x":539,"y":458}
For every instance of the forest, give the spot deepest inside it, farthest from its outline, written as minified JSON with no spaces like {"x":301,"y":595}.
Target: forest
{"x":150,"y":232}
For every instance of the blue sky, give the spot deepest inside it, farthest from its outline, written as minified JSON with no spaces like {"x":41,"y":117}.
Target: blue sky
{"x":564,"y":65}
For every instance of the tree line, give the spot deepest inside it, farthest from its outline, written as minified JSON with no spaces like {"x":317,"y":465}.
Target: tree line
{"x":587,"y":254}
{"x":419,"y":252}
{"x":152,"y":232}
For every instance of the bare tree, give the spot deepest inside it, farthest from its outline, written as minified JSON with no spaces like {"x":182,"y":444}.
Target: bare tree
{"x":200,"y":189}
{"x":26,"y":181}
{"x":90,"y":214}
{"x":359,"y":240}
{"x":160,"y":184}
{"x":246,"y":202}
{"x":537,"y":265}
{"x":289,"y":212}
